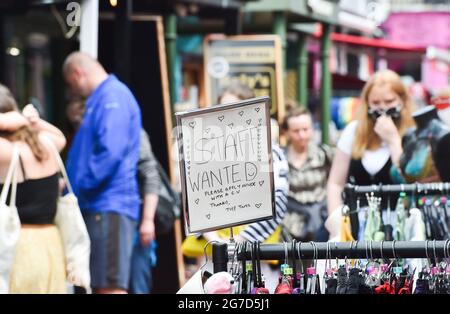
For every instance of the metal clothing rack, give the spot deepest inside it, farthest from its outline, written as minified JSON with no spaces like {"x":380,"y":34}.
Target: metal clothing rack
{"x":351,"y":190}
{"x":353,"y":193}
{"x":223,"y":252}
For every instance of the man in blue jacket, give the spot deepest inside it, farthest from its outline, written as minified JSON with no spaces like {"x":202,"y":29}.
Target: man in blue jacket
{"x":102,"y":167}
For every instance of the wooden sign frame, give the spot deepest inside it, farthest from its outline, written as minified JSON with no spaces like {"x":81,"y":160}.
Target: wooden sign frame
{"x":181,"y":116}
{"x":277,"y":94}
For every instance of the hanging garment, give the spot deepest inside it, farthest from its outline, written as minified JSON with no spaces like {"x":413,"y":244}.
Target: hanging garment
{"x":372,"y":230}
{"x":331,"y":285}
{"x":422,"y":286}
{"x":415,"y":231}
{"x":401,"y":219}
{"x":284,"y":286}
{"x":313,"y":284}
{"x":220,"y":283}
{"x":346,"y":230}
{"x":341,"y":280}
{"x":415,"y":226}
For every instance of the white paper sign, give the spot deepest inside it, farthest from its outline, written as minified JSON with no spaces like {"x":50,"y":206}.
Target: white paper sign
{"x":226,"y":165}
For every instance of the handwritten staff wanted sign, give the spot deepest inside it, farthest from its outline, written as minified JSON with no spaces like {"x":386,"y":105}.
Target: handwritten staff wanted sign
{"x":226,"y":165}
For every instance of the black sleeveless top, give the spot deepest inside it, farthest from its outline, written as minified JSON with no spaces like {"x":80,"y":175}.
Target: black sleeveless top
{"x":358,"y":175}
{"x":37,"y":198}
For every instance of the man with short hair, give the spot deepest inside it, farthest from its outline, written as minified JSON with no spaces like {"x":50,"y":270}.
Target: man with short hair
{"x":102,"y":167}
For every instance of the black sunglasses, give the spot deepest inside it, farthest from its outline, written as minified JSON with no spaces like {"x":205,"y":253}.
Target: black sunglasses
{"x":394,"y":113}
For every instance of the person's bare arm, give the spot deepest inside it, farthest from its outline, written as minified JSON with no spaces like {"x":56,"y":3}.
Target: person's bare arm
{"x":11,"y":121}
{"x":337,"y":179}
{"x":147,"y":228}
{"x":44,"y":127}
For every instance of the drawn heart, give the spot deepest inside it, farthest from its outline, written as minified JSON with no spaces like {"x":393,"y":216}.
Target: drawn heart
{"x":249,"y":121}
{"x":197,"y":200}
{"x":221,"y":118}
{"x":231,"y":125}
{"x":208,"y":216}
{"x":261,"y":183}
{"x":192,"y":124}
{"x":241,"y":113}
{"x":258,"y":205}
{"x":257,"y":109}
{"x":207,"y":130}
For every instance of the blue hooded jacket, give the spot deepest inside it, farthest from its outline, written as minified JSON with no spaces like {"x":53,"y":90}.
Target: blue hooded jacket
{"x":102,"y":161}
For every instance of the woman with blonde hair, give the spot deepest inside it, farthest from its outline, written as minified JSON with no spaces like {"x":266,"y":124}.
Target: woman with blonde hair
{"x":39,"y":262}
{"x":372,"y":144}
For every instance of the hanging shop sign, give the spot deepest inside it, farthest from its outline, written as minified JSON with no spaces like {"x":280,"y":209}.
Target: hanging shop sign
{"x":251,"y":60}
{"x":225,"y":165}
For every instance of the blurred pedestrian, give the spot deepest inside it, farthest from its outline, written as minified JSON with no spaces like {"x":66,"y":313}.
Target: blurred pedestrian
{"x":309,"y":166}
{"x":74,"y":113}
{"x":102,"y":166}
{"x":371,"y":145}
{"x":143,"y":258}
{"x":39,"y":263}
{"x":144,"y":246}
{"x":441,"y":100}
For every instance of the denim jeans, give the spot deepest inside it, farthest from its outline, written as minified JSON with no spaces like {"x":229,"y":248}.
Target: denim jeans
{"x":142,"y":261}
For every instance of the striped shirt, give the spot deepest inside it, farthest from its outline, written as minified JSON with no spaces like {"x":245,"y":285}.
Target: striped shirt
{"x":307,"y":184}
{"x":261,"y":230}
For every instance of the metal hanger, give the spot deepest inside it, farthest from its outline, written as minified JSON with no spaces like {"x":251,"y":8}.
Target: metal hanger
{"x":381,"y":251}
{"x":302,"y":273}
{"x":446,"y":253}
{"x":397,"y":269}
{"x":205,"y":254}
{"x":294,"y":266}
{"x":258,"y":264}
{"x":328,"y":259}
{"x":234,"y":267}
{"x":313,"y":284}
{"x":434,"y":253}
{"x":316,"y":255}
{"x":300,"y":256}
{"x":426,"y":253}
{"x":244,"y":266}
{"x":393,"y":250}
{"x":316,"y":276}
{"x":254,"y":275}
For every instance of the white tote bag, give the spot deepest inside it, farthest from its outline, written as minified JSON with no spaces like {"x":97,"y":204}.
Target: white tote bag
{"x":9,"y":223}
{"x":74,"y":234}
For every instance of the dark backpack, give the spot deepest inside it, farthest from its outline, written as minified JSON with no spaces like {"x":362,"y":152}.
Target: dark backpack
{"x":167,"y":209}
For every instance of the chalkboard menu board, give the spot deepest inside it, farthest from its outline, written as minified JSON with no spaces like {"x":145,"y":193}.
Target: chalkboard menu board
{"x":251,"y":60}
{"x":226,"y":165}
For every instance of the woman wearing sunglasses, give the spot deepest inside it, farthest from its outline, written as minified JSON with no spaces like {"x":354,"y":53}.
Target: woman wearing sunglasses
{"x":372,"y":144}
